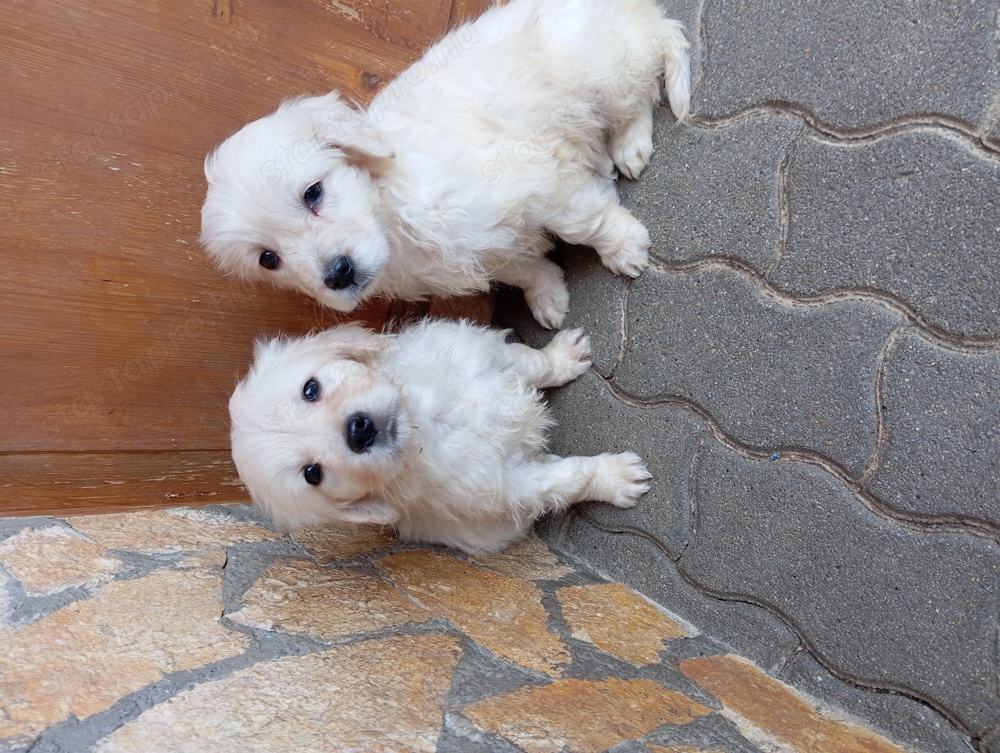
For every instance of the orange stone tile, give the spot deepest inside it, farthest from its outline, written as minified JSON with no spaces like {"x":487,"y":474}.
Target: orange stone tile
{"x":336,"y":543}
{"x":502,"y":614}
{"x":51,"y":559}
{"x":583,"y":716}
{"x":84,"y":657}
{"x":380,"y":695}
{"x":776,"y":709}
{"x":303,"y":597}
{"x":530,"y":559}
{"x":618,"y":621}
{"x":167,"y":531}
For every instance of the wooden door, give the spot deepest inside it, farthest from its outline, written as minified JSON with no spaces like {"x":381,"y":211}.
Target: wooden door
{"x":120,"y":341}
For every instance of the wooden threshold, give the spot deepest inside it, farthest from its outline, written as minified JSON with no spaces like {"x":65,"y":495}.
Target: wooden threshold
{"x":53,"y":483}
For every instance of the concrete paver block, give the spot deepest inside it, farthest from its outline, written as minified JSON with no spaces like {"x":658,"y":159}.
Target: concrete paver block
{"x":713,"y":192}
{"x":941,"y":452}
{"x":915,"y":215}
{"x":854,"y":64}
{"x":772,"y":375}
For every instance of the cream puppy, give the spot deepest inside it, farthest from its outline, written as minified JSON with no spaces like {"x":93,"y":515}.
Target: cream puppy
{"x":506,"y":132}
{"x":438,"y":431}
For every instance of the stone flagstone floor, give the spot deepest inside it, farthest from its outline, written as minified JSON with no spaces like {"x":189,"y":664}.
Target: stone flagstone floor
{"x":205,"y":630}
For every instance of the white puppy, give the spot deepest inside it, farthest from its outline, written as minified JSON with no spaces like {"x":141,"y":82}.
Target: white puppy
{"x":438,"y":431}
{"x":507,"y":130}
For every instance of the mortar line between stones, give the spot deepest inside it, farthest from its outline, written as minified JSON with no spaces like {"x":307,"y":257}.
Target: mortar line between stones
{"x":563,"y":524}
{"x":792,"y":625}
{"x":993,"y":730}
{"x":989,"y":736}
{"x":784,"y":211}
{"x":925,"y":523}
{"x":790,"y":659}
{"x":876,"y":458}
{"x":701,"y":34}
{"x":692,"y":493}
{"x":936,"y":335}
{"x":626,"y":292}
{"x":892,"y":127}
{"x":992,"y":118}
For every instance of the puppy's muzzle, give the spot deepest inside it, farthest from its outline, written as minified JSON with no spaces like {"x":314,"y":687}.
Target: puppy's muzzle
{"x":361,"y":432}
{"x":339,"y":273}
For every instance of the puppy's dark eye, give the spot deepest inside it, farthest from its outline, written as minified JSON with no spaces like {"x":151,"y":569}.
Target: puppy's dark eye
{"x":311,"y":390}
{"x":269,"y":260}
{"x":313,"y":474}
{"x":313,"y":196}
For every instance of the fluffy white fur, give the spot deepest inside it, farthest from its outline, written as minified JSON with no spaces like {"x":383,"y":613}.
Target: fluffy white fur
{"x":506,"y":131}
{"x":455,"y":427}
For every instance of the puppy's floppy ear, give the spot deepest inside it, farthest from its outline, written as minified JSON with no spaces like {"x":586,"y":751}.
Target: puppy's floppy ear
{"x":353,"y":342}
{"x":369,"y":511}
{"x":352,"y":132}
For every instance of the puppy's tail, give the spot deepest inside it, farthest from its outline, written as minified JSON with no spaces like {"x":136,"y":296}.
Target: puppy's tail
{"x":676,"y":66}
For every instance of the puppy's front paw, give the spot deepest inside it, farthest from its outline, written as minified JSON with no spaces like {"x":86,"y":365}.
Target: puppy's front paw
{"x":549,"y":303}
{"x":633,"y":255}
{"x":569,"y":355}
{"x":627,"y":479}
{"x":632,"y":149}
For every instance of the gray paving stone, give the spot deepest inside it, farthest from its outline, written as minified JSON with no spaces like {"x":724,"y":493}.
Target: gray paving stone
{"x":665,"y":437}
{"x":916,"y":215}
{"x":885,"y":606}
{"x":467,"y":686}
{"x":711,"y":732}
{"x":854,"y":64}
{"x":912,"y":722}
{"x":637,"y":561}
{"x":713,"y":192}
{"x":629,"y":746}
{"x":459,"y":735}
{"x":941,"y":454}
{"x":772,"y":375}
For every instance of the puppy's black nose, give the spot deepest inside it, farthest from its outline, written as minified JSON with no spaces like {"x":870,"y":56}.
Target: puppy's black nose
{"x":339,"y":273}
{"x":361,"y":432}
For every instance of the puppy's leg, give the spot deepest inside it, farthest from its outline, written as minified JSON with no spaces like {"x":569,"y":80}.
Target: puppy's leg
{"x":554,"y":483}
{"x":543,"y":285}
{"x":592,"y":216}
{"x":566,"y":357}
{"x":656,"y":46}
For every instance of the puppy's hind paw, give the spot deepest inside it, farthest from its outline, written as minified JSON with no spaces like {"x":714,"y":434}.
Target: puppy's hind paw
{"x":549,"y":304}
{"x":628,"y":479}
{"x":569,"y":355}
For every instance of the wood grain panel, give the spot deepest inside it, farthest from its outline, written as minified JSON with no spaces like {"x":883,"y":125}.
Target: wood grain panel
{"x":121,"y":342}
{"x":177,"y":77}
